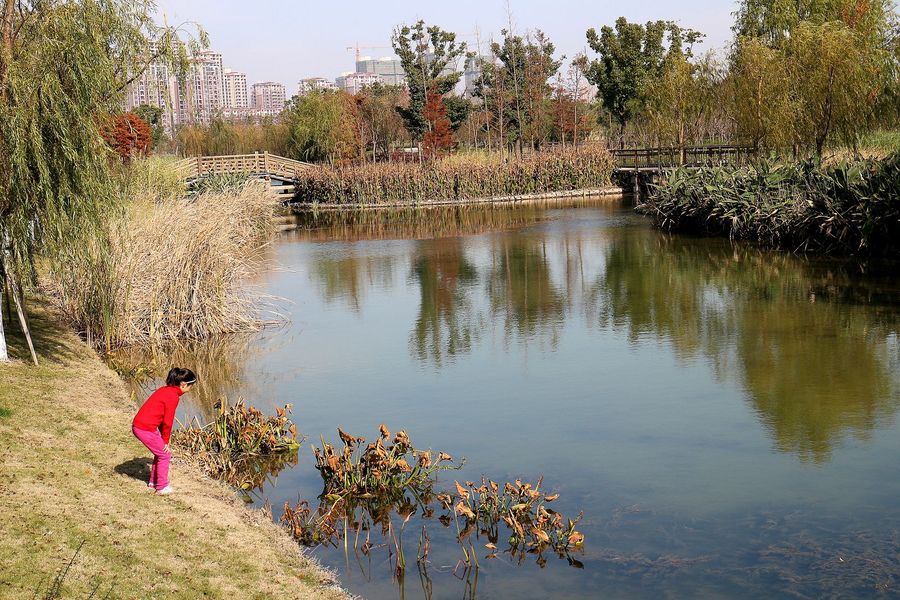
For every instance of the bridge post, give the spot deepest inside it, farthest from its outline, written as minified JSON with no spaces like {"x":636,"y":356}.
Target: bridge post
{"x":266,"y":161}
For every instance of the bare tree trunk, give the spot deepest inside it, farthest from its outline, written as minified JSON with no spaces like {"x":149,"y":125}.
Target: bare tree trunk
{"x":17,"y":297}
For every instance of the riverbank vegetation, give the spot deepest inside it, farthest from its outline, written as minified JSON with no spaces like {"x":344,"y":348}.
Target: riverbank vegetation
{"x":460,"y":178}
{"x":242,"y":446}
{"x":165,"y":266}
{"x":847,"y":208}
{"x":81,"y":479}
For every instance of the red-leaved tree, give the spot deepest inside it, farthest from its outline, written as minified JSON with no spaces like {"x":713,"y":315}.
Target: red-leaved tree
{"x":128,"y":135}
{"x":439,"y":139}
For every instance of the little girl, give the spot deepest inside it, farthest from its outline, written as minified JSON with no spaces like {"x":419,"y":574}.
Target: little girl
{"x":152,"y":424}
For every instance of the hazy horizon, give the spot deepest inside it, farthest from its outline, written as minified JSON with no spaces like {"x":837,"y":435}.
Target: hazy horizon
{"x":273,"y":40}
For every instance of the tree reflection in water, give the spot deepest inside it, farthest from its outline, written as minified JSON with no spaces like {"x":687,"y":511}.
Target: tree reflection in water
{"x":446,"y":325}
{"x":521,"y":288}
{"x":813,"y":355}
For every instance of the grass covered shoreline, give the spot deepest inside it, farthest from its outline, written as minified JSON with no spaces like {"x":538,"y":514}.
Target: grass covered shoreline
{"x":850,"y":208}
{"x":71,"y":474}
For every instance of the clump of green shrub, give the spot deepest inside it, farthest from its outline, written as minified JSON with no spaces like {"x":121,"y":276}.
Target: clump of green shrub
{"x":845,"y":208}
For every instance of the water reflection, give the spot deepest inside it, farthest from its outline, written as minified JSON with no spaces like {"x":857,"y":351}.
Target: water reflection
{"x":807,"y":339}
{"x":447,"y":323}
{"x":416,"y":223}
{"x":348,"y":276}
{"x":521,"y":288}
{"x":815,"y":369}
{"x":219,"y":363}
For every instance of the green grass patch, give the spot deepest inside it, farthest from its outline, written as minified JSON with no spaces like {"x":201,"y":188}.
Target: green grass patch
{"x":883,"y":140}
{"x":5,"y":413}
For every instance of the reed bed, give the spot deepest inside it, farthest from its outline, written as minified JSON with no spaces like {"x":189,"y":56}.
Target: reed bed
{"x":846,"y":208}
{"x":169,"y":268}
{"x":458,"y":179}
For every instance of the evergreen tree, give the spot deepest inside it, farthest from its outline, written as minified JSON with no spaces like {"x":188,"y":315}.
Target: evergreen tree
{"x":429,"y":56}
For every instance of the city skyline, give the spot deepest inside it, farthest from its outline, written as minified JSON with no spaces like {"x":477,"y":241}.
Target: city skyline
{"x":244,"y":33}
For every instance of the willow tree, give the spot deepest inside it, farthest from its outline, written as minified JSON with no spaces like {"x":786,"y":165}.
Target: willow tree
{"x":819,"y":70}
{"x":321,"y":126}
{"x":63,"y":65}
{"x":758,"y":95}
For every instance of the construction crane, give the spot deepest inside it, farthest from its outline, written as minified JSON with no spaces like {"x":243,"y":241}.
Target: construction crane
{"x":357,"y":48}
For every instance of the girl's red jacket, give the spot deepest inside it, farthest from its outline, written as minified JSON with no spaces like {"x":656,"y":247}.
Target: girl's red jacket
{"x":158,"y":412}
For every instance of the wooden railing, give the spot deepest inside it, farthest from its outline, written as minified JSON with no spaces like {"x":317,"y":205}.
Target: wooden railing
{"x":260,"y":164}
{"x":658,"y":158}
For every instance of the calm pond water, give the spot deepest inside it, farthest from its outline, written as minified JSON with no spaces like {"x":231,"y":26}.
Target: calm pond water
{"x":726,"y":418}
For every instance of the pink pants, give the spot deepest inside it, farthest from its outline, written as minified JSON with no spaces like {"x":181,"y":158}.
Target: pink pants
{"x":159,"y":471}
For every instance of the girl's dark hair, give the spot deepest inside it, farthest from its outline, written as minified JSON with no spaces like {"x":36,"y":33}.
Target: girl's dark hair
{"x":177,"y":376}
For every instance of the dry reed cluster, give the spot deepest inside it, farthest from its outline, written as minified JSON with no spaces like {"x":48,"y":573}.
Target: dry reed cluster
{"x":169,"y":268}
{"x":457,"y":179}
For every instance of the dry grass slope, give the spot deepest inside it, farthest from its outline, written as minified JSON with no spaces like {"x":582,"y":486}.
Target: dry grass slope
{"x":70,"y":473}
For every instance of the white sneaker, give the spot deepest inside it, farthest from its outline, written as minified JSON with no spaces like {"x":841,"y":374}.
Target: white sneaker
{"x":166,"y":490}
{"x":151,"y":485}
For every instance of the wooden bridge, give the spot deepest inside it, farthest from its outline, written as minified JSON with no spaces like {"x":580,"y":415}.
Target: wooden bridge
{"x":639,"y":166}
{"x":655,"y":159}
{"x":281,"y":172}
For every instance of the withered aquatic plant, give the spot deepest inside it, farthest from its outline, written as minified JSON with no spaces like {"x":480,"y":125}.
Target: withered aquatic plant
{"x":242,"y":446}
{"x":382,"y":469}
{"x":523,"y":508}
{"x":383,"y":484}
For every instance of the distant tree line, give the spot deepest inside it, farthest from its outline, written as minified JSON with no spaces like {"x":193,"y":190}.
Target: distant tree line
{"x":797,"y":78}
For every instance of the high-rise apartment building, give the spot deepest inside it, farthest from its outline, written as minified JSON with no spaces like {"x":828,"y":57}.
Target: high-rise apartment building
{"x":389,"y":70}
{"x":472,"y":74}
{"x":205,"y":87}
{"x":157,"y":86}
{"x":311,"y":84}
{"x":354,"y":83}
{"x":268,"y":97}
{"x":236,"y":89}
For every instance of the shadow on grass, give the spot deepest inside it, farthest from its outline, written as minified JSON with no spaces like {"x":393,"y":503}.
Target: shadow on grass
{"x":136,"y":468}
{"x":46,"y":333}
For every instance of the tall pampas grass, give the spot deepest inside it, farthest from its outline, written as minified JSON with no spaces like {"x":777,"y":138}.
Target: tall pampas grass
{"x":169,"y":268}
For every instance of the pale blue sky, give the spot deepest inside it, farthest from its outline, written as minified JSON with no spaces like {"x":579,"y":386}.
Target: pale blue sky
{"x":285,"y":41}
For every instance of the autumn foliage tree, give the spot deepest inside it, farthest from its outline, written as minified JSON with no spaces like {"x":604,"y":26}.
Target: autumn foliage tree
{"x":128,"y":135}
{"x":438,"y":139}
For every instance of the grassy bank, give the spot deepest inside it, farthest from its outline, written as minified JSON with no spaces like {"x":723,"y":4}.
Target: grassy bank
{"x":71,"y":473}
{"x":464,"y":177}
{"x":845,"y":208}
